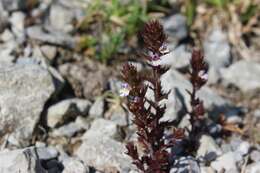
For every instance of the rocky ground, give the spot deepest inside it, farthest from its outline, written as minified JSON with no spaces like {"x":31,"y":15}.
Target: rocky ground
{"x":60,"y":111}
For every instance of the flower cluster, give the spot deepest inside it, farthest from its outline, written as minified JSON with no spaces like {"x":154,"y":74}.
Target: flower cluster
{"x":154,"y":156}
{"x":198,"y":78}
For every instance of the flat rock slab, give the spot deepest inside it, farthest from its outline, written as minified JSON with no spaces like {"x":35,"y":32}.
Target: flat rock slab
{"x":24,"y":89}
{"x":22,"y":161}
{"x":105,"y":154}
{"x":177,"y":83}
{"x":100,"y":150}
{"x":243,"y":74}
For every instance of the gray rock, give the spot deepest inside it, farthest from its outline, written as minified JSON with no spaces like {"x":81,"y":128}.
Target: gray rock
{"x":244,"y":148}
{"x":70,"y":108}
{"x":118,"y":115}
{"x":104,"y":154}
{"x":17,"y":22}
{"x":217,"y":49}
{"x":63,"y":155}
{"x":243,"y":74}
{"x":100,"y":150}
{"x":235,"y":142}
{"x":97,"y":109}
{"x":186,"y":165}
{"x":178,"y":58}
{"x":6,"y":51}
{"x":7,"y":35}
{"x":213,"y":75}
{"x":58,"y":80}
{"x":101,"y":128}
{"x":24,"y":90}
{"x":49,"y":51}
{"x":52,"y":37}
{"x":226,"y":147}
{"x":70,"y":129}
{"x":257,"y":113}
{"x":12,"y":5}
{"x":22,"y":161}
{"x":3,"y":19}
{"x":253,"y":168}
{"x":47,"y":153}
{"x":175,"y":27}
{"x":74,"y":165}
{"x":77,"y":6}
{"x":207,"y":170}
{"x":38,"y":59}
{"x":227,"y":161}
{"x":61,"y":17}
{"x":88,"y":78}
{"x":255,"y":156}
{"x":39,"y":144}
{"x":208,"y":147}
{"x":178,"y":84}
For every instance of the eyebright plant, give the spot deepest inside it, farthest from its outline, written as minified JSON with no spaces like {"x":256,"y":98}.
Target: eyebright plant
{"x":198,"y":78}
{"x":154,"y":155}
{"x":151,"y":153}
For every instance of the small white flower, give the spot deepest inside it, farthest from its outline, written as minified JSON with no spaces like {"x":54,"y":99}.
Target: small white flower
{"x":124,"y":91}
{"x":164,"y":49}
{"x":203,"y":75}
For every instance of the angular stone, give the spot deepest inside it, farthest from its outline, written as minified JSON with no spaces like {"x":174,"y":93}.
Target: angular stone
{"x":119,"y":116}
{"x":105,"y":154}
{"x":70,"y":108}
{"x":49,"y":51}
{"x":22,"y":161}
{"x":74,"y":165}
{"x":255,"y":156}
{"x":208,"y":146}
{"x":24,"y":90}
{"x":12,"y":5}
{"x":102,"y":128}
{"x":61,"y":17}
{"x":243,"y":74}
{"x":51,"y":37}
{"x":217,"y":49}
{"x":178,"y":84}
{"x":176,"y":27}
{"x":17,"y":21}
{"x":88,"y":78}
{"x":253,"y":168}
{"x":227,"y":161}
{"x":97,"y":109}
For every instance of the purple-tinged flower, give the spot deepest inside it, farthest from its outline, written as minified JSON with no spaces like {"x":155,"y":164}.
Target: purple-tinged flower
{"x":164,"y":49}
{"x":134,"y":99}
{"x":124,"y":91}
{"x":154,"y":56}
{"x":203,"y":75}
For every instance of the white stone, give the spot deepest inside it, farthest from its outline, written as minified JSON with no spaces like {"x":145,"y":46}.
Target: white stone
{"x":208,"y":145}
{"x":244,"y":148}
{"x":227,"y":161}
